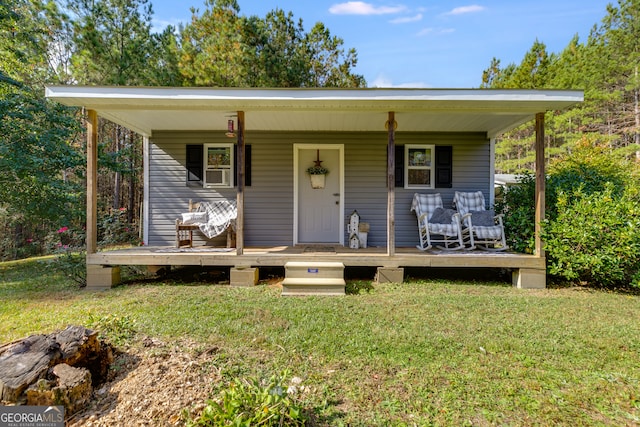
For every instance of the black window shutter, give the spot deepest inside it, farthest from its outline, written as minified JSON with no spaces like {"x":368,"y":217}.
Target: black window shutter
{"x":194,"y":163}
{"x":247,"y":166}
{"x":444,"y":166}
{"x":399,"y":165}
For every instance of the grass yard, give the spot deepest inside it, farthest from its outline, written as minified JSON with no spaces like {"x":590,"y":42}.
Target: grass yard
{"x":420,"y":353}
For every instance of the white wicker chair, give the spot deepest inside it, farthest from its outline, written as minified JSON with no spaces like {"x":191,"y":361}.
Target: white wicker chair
{"x":446,"y":233}
{"x":481,"y":228}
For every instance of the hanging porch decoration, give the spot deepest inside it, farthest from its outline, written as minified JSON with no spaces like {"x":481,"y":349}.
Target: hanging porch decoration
{"x":317,"y":172}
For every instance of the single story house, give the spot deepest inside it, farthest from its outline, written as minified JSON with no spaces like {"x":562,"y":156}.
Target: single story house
{"x":254,"y":146}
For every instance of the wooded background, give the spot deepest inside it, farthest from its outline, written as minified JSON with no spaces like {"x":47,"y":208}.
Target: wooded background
{"x":111,"y":42}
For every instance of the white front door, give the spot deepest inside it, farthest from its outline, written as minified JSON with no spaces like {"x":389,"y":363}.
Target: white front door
{"x":319,"y":211}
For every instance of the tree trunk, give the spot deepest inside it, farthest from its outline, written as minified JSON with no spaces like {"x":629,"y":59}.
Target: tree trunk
{"x":132,"y":179}
{"x":116,"y":180}
{"x":636,"y":100}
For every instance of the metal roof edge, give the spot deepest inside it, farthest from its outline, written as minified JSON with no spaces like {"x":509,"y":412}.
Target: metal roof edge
{"x":308,"y":94}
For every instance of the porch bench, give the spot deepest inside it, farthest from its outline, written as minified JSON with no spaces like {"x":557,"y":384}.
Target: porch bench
{"x":184,"y":232}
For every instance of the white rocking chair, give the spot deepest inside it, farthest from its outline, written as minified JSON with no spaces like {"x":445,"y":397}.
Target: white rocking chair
{"x":434,"y":220}
{"x":481,"y":228}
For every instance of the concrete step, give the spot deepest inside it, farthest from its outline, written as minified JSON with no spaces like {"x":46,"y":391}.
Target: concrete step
{"x":313,"y":278}
{"x":313,"y":287}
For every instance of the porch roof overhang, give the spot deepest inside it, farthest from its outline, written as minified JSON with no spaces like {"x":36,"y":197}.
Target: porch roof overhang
{"x":150,"y":109}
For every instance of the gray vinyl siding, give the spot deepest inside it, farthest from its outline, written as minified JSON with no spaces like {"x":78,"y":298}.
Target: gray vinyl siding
{"x":269,"y":200}
{"x":168,"y":193}
{"x":366,"y":183}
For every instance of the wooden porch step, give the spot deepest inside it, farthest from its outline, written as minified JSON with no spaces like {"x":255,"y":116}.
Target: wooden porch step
{"x":313,"y":278}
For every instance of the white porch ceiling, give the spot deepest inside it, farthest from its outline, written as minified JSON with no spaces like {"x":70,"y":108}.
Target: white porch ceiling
{"x":149,"y":109}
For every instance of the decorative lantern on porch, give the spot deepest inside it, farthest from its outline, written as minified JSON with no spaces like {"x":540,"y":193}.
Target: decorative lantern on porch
{"x":231,"y":133}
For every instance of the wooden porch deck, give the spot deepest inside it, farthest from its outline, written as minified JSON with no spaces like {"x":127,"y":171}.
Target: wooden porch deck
{"x":278,"y":256}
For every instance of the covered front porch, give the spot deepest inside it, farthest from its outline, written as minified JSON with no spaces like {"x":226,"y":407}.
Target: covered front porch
{"x":361,"y":127}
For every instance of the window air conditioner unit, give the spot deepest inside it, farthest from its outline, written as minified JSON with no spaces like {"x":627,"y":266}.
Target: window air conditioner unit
{"x":217,"y":178}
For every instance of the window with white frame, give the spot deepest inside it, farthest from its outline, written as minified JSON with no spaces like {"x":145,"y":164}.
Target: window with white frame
{"x":218,"y":165}
{"x":419,"y":165}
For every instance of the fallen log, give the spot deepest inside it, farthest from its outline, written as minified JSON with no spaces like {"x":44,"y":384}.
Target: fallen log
{"x":54,"y":369}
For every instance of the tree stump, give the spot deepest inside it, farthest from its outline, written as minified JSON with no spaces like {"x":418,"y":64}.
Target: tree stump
{"x":25,"y":362}
{"x":71,"y":389}
{"x":54,"y":369}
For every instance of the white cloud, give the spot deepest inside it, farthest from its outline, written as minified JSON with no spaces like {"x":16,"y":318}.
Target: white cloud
{"x":158,"y":25}
{"x":384,"y":82}
{"x":362,"y":8}
{"x":407,"y":19}
{"x":435,"y":31}
{"x":466,"y":9}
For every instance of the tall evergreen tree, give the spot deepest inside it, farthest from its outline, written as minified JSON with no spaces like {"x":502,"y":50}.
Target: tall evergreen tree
{"x":114,"y":46}
{"x":222,"y":48}
{"x":607,"y":67}
{"x":112,"y":40}
{"x":277,"y":50}
{"x":614,"y":49}
{"x":163,"y":66}
{"x":329,"y":65}
{"x":212,"y":49}
{"x":533,"y":71}
{"x":37,"y":151}
{"x":514,"y":151}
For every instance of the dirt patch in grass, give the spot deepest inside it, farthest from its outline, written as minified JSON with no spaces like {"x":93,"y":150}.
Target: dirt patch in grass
{"x":150,"y":384}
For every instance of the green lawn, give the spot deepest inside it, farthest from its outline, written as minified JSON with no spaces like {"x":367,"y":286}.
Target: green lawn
{"x":420,"y":353}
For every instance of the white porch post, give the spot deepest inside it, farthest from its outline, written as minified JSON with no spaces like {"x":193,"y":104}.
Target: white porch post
{"x":391,"y":185}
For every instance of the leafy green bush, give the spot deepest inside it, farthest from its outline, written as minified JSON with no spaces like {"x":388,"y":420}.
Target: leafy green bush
{"x":354,"y":287}
{"x":20,"y":238}
{"x":591,"y":232}
{"x":117,"y":330}
{"x":64,"y":239}
{"x":73,"y":265}
{"x":253,"y":403}
{"x":518,"y":207}
{"x":114,"y":228}
{"x":591,"y":166}
{"x":595,"y":237}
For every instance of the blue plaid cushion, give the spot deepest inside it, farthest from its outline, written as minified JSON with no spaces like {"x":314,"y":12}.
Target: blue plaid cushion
{"x":483,"y":218}
{"x":487,"y":233}
{"x":442,"y":216}
{"x":450,"y":230}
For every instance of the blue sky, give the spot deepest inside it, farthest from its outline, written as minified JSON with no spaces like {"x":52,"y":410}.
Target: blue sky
{"x":431,"y":43}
